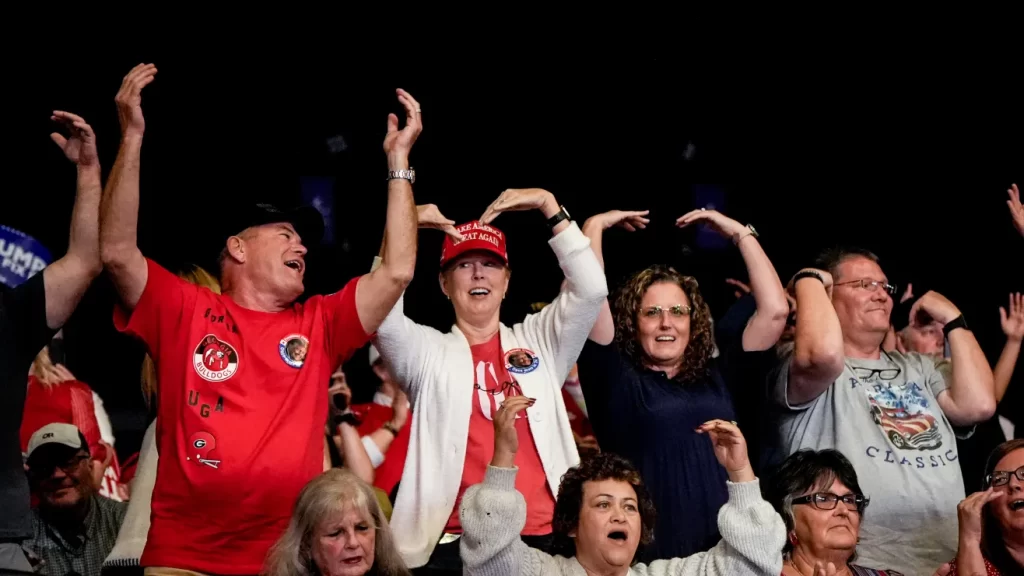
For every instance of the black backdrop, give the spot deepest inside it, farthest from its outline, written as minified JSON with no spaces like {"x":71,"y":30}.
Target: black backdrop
{"x":908,"y":158}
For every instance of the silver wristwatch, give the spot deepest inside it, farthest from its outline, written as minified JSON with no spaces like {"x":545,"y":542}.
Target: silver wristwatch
{"x":409,"y":175}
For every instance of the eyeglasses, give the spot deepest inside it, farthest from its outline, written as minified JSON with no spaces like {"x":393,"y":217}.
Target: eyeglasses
{"x":506,"y":388}
{"x":1002,"y":477}
{"x":883,"y":373}
{"x":828,"y":501}
{"x":46,"y":469}
{"x":871,"y":285}
{"x":677,"y":311}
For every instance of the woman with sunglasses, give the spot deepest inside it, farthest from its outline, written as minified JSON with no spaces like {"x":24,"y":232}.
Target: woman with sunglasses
{"x":649,"y":379}
{"x":992,"y":522}
{"x":820,"y":500}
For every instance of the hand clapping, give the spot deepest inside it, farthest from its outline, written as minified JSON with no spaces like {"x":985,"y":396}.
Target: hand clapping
{"x":80,"y":146}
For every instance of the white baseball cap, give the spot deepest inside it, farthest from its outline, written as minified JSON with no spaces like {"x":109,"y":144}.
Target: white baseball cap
{"x":57,"y":433}
{"x":374,"y":355}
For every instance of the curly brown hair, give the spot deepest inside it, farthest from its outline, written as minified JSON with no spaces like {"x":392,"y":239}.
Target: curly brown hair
{"x":601,"y":466}
{"x":627,"y":309}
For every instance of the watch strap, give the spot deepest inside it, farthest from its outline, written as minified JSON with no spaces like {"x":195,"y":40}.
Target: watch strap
{"x":557,"y":218}
{"x":390,"y":428}
{"x":808,"y":274}
{"x":409,"y":175}
{"x":958,"y":322}
{"x":741,"y":235}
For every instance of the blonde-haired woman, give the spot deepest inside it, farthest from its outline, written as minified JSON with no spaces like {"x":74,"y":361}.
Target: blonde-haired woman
{"x":337,"y":529}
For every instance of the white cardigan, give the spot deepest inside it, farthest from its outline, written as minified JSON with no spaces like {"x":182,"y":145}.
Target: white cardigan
{"x":436,"y":371}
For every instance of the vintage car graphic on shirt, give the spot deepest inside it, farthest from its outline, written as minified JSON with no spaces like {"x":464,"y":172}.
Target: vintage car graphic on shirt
{"x":901,"y":413}
{"x":199,"y":447}
{"x":214,"y":359}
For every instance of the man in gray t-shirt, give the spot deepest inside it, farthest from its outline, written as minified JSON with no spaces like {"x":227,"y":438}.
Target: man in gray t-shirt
{"x":891,"y":414}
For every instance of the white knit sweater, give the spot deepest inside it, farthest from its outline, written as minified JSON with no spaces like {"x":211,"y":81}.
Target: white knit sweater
{"x":436,"y":371}
{"x":493,"y":513}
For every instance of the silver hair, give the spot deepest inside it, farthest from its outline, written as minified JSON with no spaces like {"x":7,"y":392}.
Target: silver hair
{"x":334,"y":491}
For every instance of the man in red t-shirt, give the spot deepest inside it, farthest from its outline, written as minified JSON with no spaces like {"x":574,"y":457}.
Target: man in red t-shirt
{"x":241,"y":399}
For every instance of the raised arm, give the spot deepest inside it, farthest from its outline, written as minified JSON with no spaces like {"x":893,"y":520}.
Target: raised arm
{"x":400,"y":340}
{"x":119,"y":216}
{"x":379,"y":290}
{"x":603,"y":331}
{"x":563,"y":327}
{"x":818,"y":353}
{"x":1013,"y":327}
{"x":752,"y":532}
{"x":1016,"y":208}
{"x":970,"y":396}
{"x":66,"y":280}
{"x":493,"y":513}
{"x":769,"y":320}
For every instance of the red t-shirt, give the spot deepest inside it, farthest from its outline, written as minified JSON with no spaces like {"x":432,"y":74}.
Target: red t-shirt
{"x":389,"y":473}
{"x":491,"y":386}
{"x":242,"y":406}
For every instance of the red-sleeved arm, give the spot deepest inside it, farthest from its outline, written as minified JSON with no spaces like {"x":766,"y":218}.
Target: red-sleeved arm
{"x":161,"y":310}
{"x":345,"y":333}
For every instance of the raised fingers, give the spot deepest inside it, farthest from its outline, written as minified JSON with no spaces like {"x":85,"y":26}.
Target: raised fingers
{"x":693,"y":216}
{"x":720,"y":426}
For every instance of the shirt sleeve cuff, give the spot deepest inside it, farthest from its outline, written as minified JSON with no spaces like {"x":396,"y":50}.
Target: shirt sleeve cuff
{"x":501,"y":478}
{"x":744,"y":494}
{"x":376,"y":456}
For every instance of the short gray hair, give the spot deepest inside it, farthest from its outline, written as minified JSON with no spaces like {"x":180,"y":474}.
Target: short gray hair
{"x":332,"y":492}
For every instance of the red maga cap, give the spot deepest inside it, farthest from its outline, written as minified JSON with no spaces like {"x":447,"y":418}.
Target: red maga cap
{"x":478,"y":236}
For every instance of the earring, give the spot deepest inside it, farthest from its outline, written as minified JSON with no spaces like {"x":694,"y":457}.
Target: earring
{"x":793,"y":539}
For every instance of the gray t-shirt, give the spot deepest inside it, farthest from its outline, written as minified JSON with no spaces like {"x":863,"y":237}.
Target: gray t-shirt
{"x":889,"y":424}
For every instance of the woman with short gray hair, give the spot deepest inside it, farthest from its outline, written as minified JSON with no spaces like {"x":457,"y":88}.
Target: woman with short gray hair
{"x":819,"y":498}
{"x":337,"y":529}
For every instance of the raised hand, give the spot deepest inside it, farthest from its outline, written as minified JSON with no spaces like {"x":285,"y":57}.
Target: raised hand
{"x":429,"y":216}
{"x":741,"y":288}
{"x":1016,"y":208}
{"x":518,"y":199}
{"x":80,"y":147}
{"x":129,"y":99}
{"x":399,"y":142}
{"x":908,"y":293}
{"x":506,"y":439}
{"x":717,"y":221}
{"x":730,"y":448}
{"x":935,"y":305}
{"x":631,"y":220}
{"x":1013,"y":321}
{"x":400,"y":408}
{"x":969,"y":512}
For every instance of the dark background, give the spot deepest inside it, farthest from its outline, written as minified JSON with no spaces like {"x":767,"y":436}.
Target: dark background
{"x":903,"y":155}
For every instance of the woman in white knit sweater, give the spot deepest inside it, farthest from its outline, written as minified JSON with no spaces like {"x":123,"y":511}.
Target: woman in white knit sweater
{"x":604,"y":513}
{"x":457,"y":380}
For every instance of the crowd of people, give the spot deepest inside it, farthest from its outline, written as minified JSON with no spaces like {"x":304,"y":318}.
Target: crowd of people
{"x":814,"y":428}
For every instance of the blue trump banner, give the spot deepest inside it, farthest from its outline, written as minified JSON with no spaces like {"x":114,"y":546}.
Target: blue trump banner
{"x":21,"y":256}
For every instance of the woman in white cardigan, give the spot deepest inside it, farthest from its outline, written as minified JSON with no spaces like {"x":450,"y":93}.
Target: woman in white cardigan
{"x":456,"y":380}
